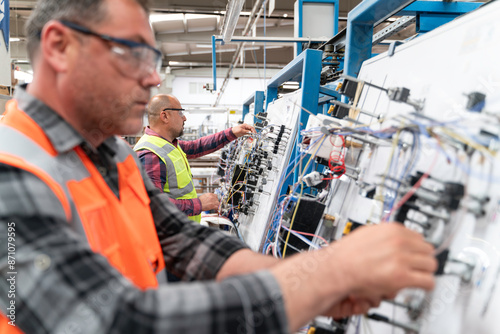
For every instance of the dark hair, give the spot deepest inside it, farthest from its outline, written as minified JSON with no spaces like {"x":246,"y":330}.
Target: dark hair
{"x":88,"y":12}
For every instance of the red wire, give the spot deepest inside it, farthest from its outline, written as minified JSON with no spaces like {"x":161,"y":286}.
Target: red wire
{"x":339,"y":157}
{"x":308,"y":234}
{"x":410,"y":193}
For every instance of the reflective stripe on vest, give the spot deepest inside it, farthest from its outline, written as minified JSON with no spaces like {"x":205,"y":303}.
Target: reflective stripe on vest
{"x":179,"y":182}
{"x":121,"y":229}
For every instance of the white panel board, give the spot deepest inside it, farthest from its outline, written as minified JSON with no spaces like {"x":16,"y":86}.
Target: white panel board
{"x":440,"y":69}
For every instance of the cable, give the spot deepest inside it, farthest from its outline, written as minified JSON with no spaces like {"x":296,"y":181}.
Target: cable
{"x":297,"y":234}
{"x":410,"y":193}
{"x":300,"y":196}
{"x":308,"y":234}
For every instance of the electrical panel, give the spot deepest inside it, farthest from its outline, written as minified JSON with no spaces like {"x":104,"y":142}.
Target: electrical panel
{"x":414,"y":139}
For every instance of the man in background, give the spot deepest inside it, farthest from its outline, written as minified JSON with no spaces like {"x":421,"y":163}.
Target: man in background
{"x":165,"y":157}
{"x":90,"y":232}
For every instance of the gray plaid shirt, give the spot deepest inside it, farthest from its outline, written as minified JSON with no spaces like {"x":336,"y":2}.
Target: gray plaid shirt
{"x":61,"y":286}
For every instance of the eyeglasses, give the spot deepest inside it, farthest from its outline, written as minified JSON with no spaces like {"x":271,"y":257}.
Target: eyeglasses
{"x":137,"y":60}
{"x":179,"y":110}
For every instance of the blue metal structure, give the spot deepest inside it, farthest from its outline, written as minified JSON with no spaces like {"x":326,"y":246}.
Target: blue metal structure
{"x":216,"y":39}
{"x":258,"y":100}
{"x":327,"y":93}
{"x":301,"y":3}
{"x":432,"y":14}
{"x":214,"y":64}
{"x":360,"y":23}
{"x":306,"y":69}
{"x":369,"y":13}
{"x":5,"y":22}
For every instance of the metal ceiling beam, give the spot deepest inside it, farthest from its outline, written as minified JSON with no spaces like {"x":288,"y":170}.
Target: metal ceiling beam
{"x":273,"y":39}
{"x":254,"y":16}
{"x":205,"y":37}
{"x":174,"y":64}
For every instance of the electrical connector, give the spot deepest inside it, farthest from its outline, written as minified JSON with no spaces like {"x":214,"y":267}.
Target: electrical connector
{"x":313,"y":179}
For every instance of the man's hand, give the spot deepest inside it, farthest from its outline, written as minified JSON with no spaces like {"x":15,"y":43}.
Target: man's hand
{"x":242,"y":129}
{"x":351,"y":306}
{"x":355,"y":273}
{"x":209,"y":202}
{"x":388,"y":258}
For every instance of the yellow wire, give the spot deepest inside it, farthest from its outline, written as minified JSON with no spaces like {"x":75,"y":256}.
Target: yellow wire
{"x":300,"y":196}
{"x":293,"y":218}
{"x":465,"y":140}
{"x":241,"y":184}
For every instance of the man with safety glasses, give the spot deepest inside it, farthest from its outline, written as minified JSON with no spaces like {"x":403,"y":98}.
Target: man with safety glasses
{"x":165,"y":158}
{"x":84,"y":232}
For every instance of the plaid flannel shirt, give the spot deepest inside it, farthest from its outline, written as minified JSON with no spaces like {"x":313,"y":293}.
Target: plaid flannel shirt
{"x":62,"y":286}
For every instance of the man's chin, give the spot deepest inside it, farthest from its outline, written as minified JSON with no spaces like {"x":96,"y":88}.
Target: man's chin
{"x":131,"y":128}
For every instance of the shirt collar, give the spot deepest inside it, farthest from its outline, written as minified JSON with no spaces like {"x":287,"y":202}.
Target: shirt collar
{"x":60,"y":133}
{"x":151,"y":132}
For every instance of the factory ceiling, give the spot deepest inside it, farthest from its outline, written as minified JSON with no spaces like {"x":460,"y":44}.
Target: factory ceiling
{"x":184,"y":28}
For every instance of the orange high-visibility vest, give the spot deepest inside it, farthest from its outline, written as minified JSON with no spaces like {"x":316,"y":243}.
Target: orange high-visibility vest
{"x":121,"y":229}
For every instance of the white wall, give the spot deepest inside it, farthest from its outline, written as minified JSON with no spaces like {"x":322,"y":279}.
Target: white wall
{"x":190,"y":93}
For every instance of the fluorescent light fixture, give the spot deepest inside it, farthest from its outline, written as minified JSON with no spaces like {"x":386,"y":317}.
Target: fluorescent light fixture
{"x":153,"y":18}
{"x":204,"y":46}
{"x":15,"y":39}
{"x":231,"y":19}
{"x":199,"y":16}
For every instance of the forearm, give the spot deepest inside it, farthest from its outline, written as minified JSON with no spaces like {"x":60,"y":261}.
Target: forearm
{"x":191,"y":207}
{"x":206,"y":145}
{"x":245,"y":261}
{"x":310,"y":285}
{"x":79,"y":279}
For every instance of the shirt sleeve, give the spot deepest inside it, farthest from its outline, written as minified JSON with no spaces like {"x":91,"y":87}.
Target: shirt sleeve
{"x":63,"y":286}
{"x":206,"y":145}
{"x":155,"y":168}
{"x":185,"y":242}
{"x":191,"y":207}
{"x":157,"y":172}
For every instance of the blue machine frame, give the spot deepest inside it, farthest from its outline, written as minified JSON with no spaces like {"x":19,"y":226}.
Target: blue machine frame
{"x":306,"y":69}
{"x":432,"y":14}
{"x":301,"y":17}
{"x":369,"y":13}
{"x":258,"y":100}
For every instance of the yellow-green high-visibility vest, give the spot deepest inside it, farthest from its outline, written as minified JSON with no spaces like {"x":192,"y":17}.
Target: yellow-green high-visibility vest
{"x":179,"y":181}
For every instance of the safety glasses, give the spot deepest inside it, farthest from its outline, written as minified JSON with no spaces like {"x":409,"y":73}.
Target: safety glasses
{"x":179,"y":110}
{"x":135,"y":60}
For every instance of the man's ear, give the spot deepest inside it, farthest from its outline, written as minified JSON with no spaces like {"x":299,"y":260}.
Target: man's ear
{"x":164,"y":118}
{"x":54,"y":44}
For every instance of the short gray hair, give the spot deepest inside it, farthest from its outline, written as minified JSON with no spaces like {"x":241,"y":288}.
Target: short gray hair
{"x":88,"y":12}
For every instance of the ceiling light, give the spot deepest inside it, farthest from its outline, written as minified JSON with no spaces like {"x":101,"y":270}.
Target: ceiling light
{"x":153,"y":18}
{"x":231,"y":19}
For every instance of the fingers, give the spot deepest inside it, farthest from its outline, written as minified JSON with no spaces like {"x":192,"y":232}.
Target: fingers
{"x":351,"y":306}
{"x":250,"y":128}
{"x":209,"y":201}
{"x":393,"y":258}
{"x":362,"y":307}
{"x":424,"y":263}
{"x":243,"y":129}
{"x":421,"y":280}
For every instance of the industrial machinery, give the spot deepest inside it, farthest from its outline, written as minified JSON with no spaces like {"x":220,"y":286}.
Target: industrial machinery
{"x":410,"y":136}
